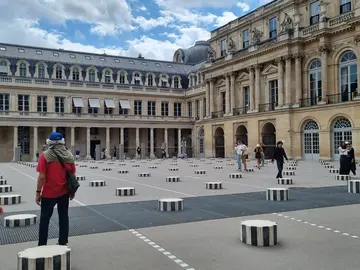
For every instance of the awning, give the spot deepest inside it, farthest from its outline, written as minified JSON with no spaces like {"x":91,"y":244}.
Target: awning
{"x":125,"y":104}
{"x":78,"y":102}
{"x":94,"y":102}
{"x":109,"y":103}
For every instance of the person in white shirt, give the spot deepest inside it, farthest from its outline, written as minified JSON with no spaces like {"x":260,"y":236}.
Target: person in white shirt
{"x":240,"y":150}
{"x":345,"y":161}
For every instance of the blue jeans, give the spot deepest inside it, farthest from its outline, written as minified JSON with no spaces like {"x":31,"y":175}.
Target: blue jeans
{"x":238,"y":159}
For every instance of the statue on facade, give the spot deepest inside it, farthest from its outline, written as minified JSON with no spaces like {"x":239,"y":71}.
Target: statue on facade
{"x":231,"y":45}
{"x":287,"y":26}
{"x":211,"y":54}
{"x":257,"y":35}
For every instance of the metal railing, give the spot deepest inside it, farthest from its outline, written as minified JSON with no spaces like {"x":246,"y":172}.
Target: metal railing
{"x":266,"y":107}
{"x":218,"y":114}
{"x":240,"y":111}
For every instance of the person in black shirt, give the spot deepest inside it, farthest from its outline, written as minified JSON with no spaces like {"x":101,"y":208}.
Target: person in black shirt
{"x":279,"y":155}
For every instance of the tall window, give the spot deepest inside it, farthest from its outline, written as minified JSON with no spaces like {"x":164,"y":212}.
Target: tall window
{"x":75,"y":74}
{"x":177,"y":109}
{"x":58,"y":73}
{"x":138,"y":107}
{"x":274,"y":94}
{"x":197,"y":108}
{"x":137,"y":79}
{"x":223,"y":47}
{"x":164,"y":108}
{"x":314,"y":13}
{"x":150,"y":80}
{"x":223,"y":102}
{"x":246,"y":41}
{"x":189,"y":105}
{"x":3,"y":68}
{"x":23,"y":103}
{"x":107,"y":77}
{"x":315,"y":83}
{"x":152,"y":108}
{"x":4,"y":102}
{"x":122,"y":78}
{"x":41,"y":71}
{"x":204,"y":107}
{"x":345,"y":6}
{"x":60,"y":104}
{"x":273,"y":27}
{"x":348,"y":76}
{"x":92,"y":110}
{"x":76,"y":110}
{"x":22,"y":70}
{"x":164,"y":81}
{"x":41,"y":103}
{"x":24,"y":139}
{"x":246,"y":97}
{"x":176,"y":82}
{"x":92,"y":75}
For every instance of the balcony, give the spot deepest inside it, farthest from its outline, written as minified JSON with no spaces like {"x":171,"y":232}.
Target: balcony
{"x":341,"y":18}
{"x":267,"y":107}
{"x":240,"y":111}
{"x":308,"y":102}
{"x":219,"y":114}
{"x":343,"y":97}
{"x":86,"y":86}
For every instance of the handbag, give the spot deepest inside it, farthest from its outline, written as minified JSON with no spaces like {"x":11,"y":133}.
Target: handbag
{"x":72,"y":183}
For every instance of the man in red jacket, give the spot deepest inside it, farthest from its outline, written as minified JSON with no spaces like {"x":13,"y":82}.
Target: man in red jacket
{"x":52,"y":188}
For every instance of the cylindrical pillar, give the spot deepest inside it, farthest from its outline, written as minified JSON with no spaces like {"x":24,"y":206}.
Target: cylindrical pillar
{"x":36,"y":142}
{"x":88,"y":154}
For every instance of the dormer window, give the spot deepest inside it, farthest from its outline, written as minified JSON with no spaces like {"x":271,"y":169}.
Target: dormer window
{"x":76,"y":74}
{"x":58,"y":73}
{"x":21,"y":50}
{"x":157,"y":64}
{"x":150,"y":80}
{"x":131,"y":62}
{"x":72,"y":55}
{"x":102,"y":59}
{"x":122,"y":78}
{"x":137,"y":79}
{"x":117,"y":60}
{"x":56,"y":54}
{"x":91,"y":75}
{"x":41,"y":71}
{"x":176,"y":82}
{"x":22,"y":70}
{"x":107,"y":77}
{"x":164,"y":81}
{"x":87,"y":57}
{"x":39,"y":52}
{"x":2,"y":48}
{"x":170,"y":66}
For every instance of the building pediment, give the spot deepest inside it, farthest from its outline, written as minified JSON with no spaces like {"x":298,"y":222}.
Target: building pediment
{"x":242,"y":77}
{"x":270,"y":69}
{"x":221,"y":83}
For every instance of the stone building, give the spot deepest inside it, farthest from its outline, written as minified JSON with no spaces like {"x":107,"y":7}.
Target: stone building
{"x":286,"y":71}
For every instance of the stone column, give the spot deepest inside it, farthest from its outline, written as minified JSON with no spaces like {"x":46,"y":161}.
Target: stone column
{"x":324,"y":50}
{"x":15,"y":143}
{"x":72,"y":140}
{"x":108,"y":142}
{"x":207,"y":96}
{"x":36,"y":143}
{"x":166,"y":142}
{"x":280,"y":82}
{"x":227,"y":94}
{"x":201,"y":109}
{"x":179,"y":142}
{"x":257,"y":87}
{"x":152,"y":154}
{"x":137,"y":137}
{"x":288,"y":92}
{"x":252,"y":88}
{"x":298,"y":80}
{"x":88,"y":138}
{"x":122,"y":136}
{"x":211,"y":97}
{"x":232,"y":93}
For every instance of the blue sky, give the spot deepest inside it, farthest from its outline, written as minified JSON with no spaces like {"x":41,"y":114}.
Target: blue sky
{"x":154,"y":28}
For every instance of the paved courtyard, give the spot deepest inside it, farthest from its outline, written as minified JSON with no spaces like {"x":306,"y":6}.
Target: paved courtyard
{"x":317,"y":227}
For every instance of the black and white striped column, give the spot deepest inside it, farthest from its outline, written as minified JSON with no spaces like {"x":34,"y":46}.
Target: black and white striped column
{"x":80,"y":178}
{"x":277,"y":194}
{"x":200,"y":172}
{"x":342,"y":177}
{"x":144,"y":174}
{"x":45,"y":258}
{"x":354,"y":186}
{"x":5,"y":188}
{"x":289,"y":173}
{"x":19,"y":220}
{"x":107,"y":169}
{"x":10,"y":199}
{"x":97,"y":183}
{"x":259,"y":233}
{"x":285,"y":181}
{"x":3,"y":182}
{"x":171,"y":205}
{"x":173,"y":169}
{"x":152,"y":167}
{"x":123,"y":171}
{"x":94,"y":167}
{"x":172,"y":178}
{"x":235,"y":175}
{"x":125,"y":191}
{"x":213,"y":185}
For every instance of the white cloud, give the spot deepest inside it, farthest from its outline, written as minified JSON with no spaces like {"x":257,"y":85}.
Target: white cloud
{"x":148,"y":24}
{"x":244,"y":6}
{"x":143,"y":8}
{"x":225,"y":18}
{"x":171,"y":4}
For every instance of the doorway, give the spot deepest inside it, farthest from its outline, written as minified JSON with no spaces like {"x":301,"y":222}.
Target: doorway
{"x":93,"y":144}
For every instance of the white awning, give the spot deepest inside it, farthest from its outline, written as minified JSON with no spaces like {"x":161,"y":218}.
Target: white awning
{"x":125,"y":104}
{"x":109,"y":103}
{"x":78,"y":102}
{"x":94,"y":102}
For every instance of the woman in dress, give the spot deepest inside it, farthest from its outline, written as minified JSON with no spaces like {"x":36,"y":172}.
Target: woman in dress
{"x":258,"y":155}
{"x":344,"y":159}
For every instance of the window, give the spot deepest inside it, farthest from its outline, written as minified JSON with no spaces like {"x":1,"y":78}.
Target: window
{"x":87,"y":57}
{"x":56,"y":54}
{"x":108,"y":110}
{"x":157,"y":64}
{"x":122,"y":78}
{"x":189,"y":109}
{"x":204,"y":107}
{"x":137,"y":79}
{"x":223,"y":47}
{"x":348,"y":76}
{"x":144,"y":63}
{"x":345,"y":6}
{"x":176,"y":82}
{"x":314,"y":13}
{"x":131,"y":62}
{"x":21,"y":50}
{"x":23,"y":103}
{"x":24,"y":139}
{"x":246,"y":93}
{"x":315,"y":83}
{"x":91,"y":75}
{"x":138,"y":107}
{"x":58,"y":72}
{"x":72,"y":56}
{"x":274,"y":94}
{"x":150,"y":80}
{"x":273,"y":27}
{"x":164,"y":108}
{"x":107,"y":77}
{"x":76,"y":74}
{"x":4,"y":102}
{"x":92,"y":110}
{"x":41,"y":104}
{"x":123,"y":111}
{"x":3,"y":68}
{"x":164,"y":81}
{"x":223,"y":102}
{"x":2,"y":48}
{"x":152,"y":108}
{"x":197,"y":108}
{"x":22,"y":70}
{"x":39,"y":52}
{"x":246,"y":41}
{"x":41,"y":71}
{"x":170,"y":66}
{"x":116,"y":60}
{"x":177,"y":109}
{"x":60,"y":104}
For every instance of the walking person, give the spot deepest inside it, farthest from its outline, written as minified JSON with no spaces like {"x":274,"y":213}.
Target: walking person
{"x":344,"y":158}
{"x":262,"y":159}
{"x":352,"y":159}
{"x":138,"y":150}
{"x":52,"y":188}
{"x":258,"y":155}
{"x":279,"y":155}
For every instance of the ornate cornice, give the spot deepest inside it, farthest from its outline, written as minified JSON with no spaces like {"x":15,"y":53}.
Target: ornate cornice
{"x":324,"y":49}
{"x":258,"y":66}
{"x":298,"y":56}
{"x":250,"y":68}
{"x":287,"y":58}
{"x":357,"y":39}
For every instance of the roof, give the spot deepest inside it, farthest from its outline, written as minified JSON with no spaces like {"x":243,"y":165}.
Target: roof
{"x":193,"y":55}
{"x":90,"y":59}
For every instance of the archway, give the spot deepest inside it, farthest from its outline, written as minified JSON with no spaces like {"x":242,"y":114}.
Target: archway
{"x":341,"y":131}
{"x":241,"y":134}
{"x":201,"y":135}
{"x":219,"y":143}
{"x":268,"y":135}
{"x":310,"y":140}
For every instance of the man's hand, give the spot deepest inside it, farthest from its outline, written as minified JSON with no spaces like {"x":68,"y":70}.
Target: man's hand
{"x":38,"y":199}
{"x":72,"y":196}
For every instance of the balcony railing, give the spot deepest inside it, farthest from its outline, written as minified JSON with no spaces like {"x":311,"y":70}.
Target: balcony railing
{"x":342,"y":97}
{"x":307,"y":102}
{"x":341,"y":18}
{"x":86,"y":116}
{"x":50,"y":83}
{"x":240,"y":111}
{"x":266,"y":107}
{"x":218,"y":114}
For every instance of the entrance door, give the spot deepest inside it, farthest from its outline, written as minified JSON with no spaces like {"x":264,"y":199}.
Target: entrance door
{"x":341,"y":132}
{"x":311,"y":145}
{"x":93,"y":144}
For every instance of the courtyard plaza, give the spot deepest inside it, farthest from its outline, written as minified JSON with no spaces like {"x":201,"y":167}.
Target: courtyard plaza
{"x":316,"y":226}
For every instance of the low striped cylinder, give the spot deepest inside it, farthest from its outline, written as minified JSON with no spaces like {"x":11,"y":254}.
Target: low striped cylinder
{"x":259,"y":233}
{"x":213,"y":185}
{"x":152,"y":167}
{"x":173,"y":169}
{"x":80,"y":178}
{"x":33,"y":166}
{"x":220,"y":161}
{"x":218,"y":167}
{"x":200,"y":172}
{"x":123,"y":171}
{"x":97,"y":183}
{"x":136,"y":166}
{"x":325,"y":163}
{"x":101,"y":162}
{"x":170,"y":205}
{"x":5,"y":188}
{"x":354,"y":186}
{"x":289,"y":173}
{"x":107,"y":169}
{"x":122,"y":164}
{"x":329,"y":166}
{"x":342,"y":177}
{"x":334,"y":170}
{"x":285,"y":181}
{"x":235,"y":175}
{"x":194,"y":165}
{"x":249,"y":170}
{"x":230,"y":164}
{"x":94,"y":167}
{"x":172,"y":178}
{"x":125,"y":191}
{"x":19,"y":220}
{"x":144,"y":174}
{"x":3,"y":182}
{"x":173,"y":164}
{"x":10,"y":199}
{"x":83,"y":165}
{"x":277,"y":194}
{"x":45,"y":258}
{"x":291,"y":168}
{"x":110,"y":163}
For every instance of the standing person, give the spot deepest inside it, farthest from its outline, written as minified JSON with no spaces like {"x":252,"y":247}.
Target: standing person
{"x":52,"y":188}
{"x":258,"y":155}
{"x":138,"y":150}
{"x":114,"y":153}
{"x":239,"y":150}
{"x":244,"y":156}
{"x":77,"y":154}
{"x":344,"y":158}
{"x":1,"y":211}
{"x":352,"y":159}
{"x":279,"y":155}
{"x":262,"y":159}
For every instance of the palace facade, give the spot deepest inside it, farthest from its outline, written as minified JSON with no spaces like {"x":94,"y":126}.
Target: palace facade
{"x":287,"y":71}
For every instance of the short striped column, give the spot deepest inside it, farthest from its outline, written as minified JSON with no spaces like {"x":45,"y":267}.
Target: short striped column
{"x":125,"y":191}
{"x":144,"y":174}
{"x":97,"y":183}
{"x":19,"y":220}
{"x":285,"y":181}
{"x":45,"y":257}
{"x":3,"y":182}
{"x":10,"y":199}
{"x":354,"y":186}
{"x":277,"y":194}
{"x":5,"y":188}
{"x":213,"y":185}
{"x":342,"y":177}
{"x":172,"y":179}
{"x":171,"y":205}
{"x":200,"y":172}
{"x":80,"y":178}
{"x":259,"y":233}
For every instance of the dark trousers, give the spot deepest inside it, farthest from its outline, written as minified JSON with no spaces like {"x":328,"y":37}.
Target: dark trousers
{"x":47,"y":208}
{"x":280,"y":166}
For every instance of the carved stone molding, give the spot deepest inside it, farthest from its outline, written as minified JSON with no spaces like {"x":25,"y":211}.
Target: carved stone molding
{"x":287,"y":58}
{"x":258,"y":66}
{"x":298,"y":56}
{"x":250,"y":68}
{"x":278,"y":60}
{"x":357,"y":39}
{"x":324,"y":49}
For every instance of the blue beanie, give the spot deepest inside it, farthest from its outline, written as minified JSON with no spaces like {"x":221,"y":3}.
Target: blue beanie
{"x":56,"y":136}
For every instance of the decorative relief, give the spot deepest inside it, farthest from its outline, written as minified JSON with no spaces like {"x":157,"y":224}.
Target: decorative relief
{"x":357,"y":39}
{"x":257,"y":35}
{"x":298,"y":56}
{"x":211,"y":54}
{"x":250,"y":68}
{"x":287,"y":26}
{"x":324,"y":49}
{"x":287,"y":58}
{"x":231,"y":45}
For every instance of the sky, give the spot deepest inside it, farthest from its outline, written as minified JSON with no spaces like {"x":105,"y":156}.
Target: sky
{"x":154,"y":28}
